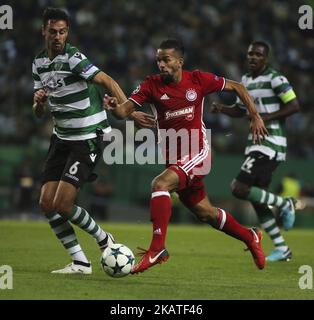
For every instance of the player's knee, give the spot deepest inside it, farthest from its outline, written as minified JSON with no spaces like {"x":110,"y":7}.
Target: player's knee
{"x":208,"y":219}
{"x":159,"y":184}
{"x":46,"y":205}
{"x":205,"y":219}
{"x":207,"y":216}
{"x":63,"y":208}
{"x":239,"y":191}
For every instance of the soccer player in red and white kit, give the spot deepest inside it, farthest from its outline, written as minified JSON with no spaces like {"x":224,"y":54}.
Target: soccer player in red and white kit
{"x":178,"y":97}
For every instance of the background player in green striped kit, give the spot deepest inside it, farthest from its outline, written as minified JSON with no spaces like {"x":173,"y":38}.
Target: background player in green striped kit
{"x":65,"y":79}
{"x":275,"y":100}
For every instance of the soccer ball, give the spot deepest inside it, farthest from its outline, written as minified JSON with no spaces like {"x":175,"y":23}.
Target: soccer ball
{"x":117,"y":260}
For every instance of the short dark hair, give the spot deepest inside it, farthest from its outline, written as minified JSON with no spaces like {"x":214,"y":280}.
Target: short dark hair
{"x":175,"y":44}
{"x":263,"y":44}
{"x":55,"y":14}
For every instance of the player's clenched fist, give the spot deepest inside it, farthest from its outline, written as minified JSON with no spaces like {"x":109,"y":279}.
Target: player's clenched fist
{"x":110,"y":103}
{"x":40,"y":96}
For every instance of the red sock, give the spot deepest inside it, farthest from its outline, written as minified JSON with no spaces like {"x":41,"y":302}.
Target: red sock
{"x":232,"y":227}
{"x":160,"y":212}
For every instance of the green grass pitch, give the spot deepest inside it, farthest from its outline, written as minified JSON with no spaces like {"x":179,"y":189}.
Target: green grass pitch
{"x":204,"y":264}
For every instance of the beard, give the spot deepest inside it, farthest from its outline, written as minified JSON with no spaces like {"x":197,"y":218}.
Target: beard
{"x":167,"y":78}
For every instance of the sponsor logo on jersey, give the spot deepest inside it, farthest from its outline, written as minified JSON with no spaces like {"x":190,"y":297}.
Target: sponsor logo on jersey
{"x":187,"y":112}
{"x":50,"y":82}
{"x":191,"y":95}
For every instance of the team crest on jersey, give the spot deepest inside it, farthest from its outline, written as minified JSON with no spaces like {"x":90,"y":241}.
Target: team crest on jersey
{"x":187,"y":112}
{"x":191,"y":95}
{"x":57,"y":66}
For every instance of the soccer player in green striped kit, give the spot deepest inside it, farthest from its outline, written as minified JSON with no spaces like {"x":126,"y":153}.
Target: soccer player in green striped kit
{"x":65,"y":79}
{"x":275,"y":100}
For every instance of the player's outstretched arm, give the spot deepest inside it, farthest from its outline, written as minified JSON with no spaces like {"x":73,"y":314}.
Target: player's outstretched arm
{"x":232,"y":111}
{"x":257,"y":124}
{"x":121,"y":111}
{"x":142,"y":119}
{"x":127,"y":109}
{"x":108,"y":83}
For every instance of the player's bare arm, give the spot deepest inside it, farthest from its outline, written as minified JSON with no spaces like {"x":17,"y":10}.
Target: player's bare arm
{"x":108,"y":83}
{"x":285,"y":111}
{"x":232,"y":111}
{"x":142,"y":119}
{"x":257,"y":124}
{"x":121,"y":111}
{"x":40,"y":98}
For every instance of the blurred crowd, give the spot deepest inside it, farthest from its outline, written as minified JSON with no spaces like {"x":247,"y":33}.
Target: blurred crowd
{"x":121,"y":37}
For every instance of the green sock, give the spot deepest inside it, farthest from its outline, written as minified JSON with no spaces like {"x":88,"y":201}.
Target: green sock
{"x":66,"y":235}
{"x":268,"y":223}
{"x":81,"y":218}
{"x":261,"y":196}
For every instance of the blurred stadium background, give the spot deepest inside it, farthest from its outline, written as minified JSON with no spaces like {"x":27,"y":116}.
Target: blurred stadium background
{"x":121,"y":37}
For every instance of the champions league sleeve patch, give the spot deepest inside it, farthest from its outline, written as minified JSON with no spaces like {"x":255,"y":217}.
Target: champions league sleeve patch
{"x":88,"y":67}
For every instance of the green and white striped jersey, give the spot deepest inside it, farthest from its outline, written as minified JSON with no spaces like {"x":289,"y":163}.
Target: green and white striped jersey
{"x":74,"y":101}
{"x":269,"y":90}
